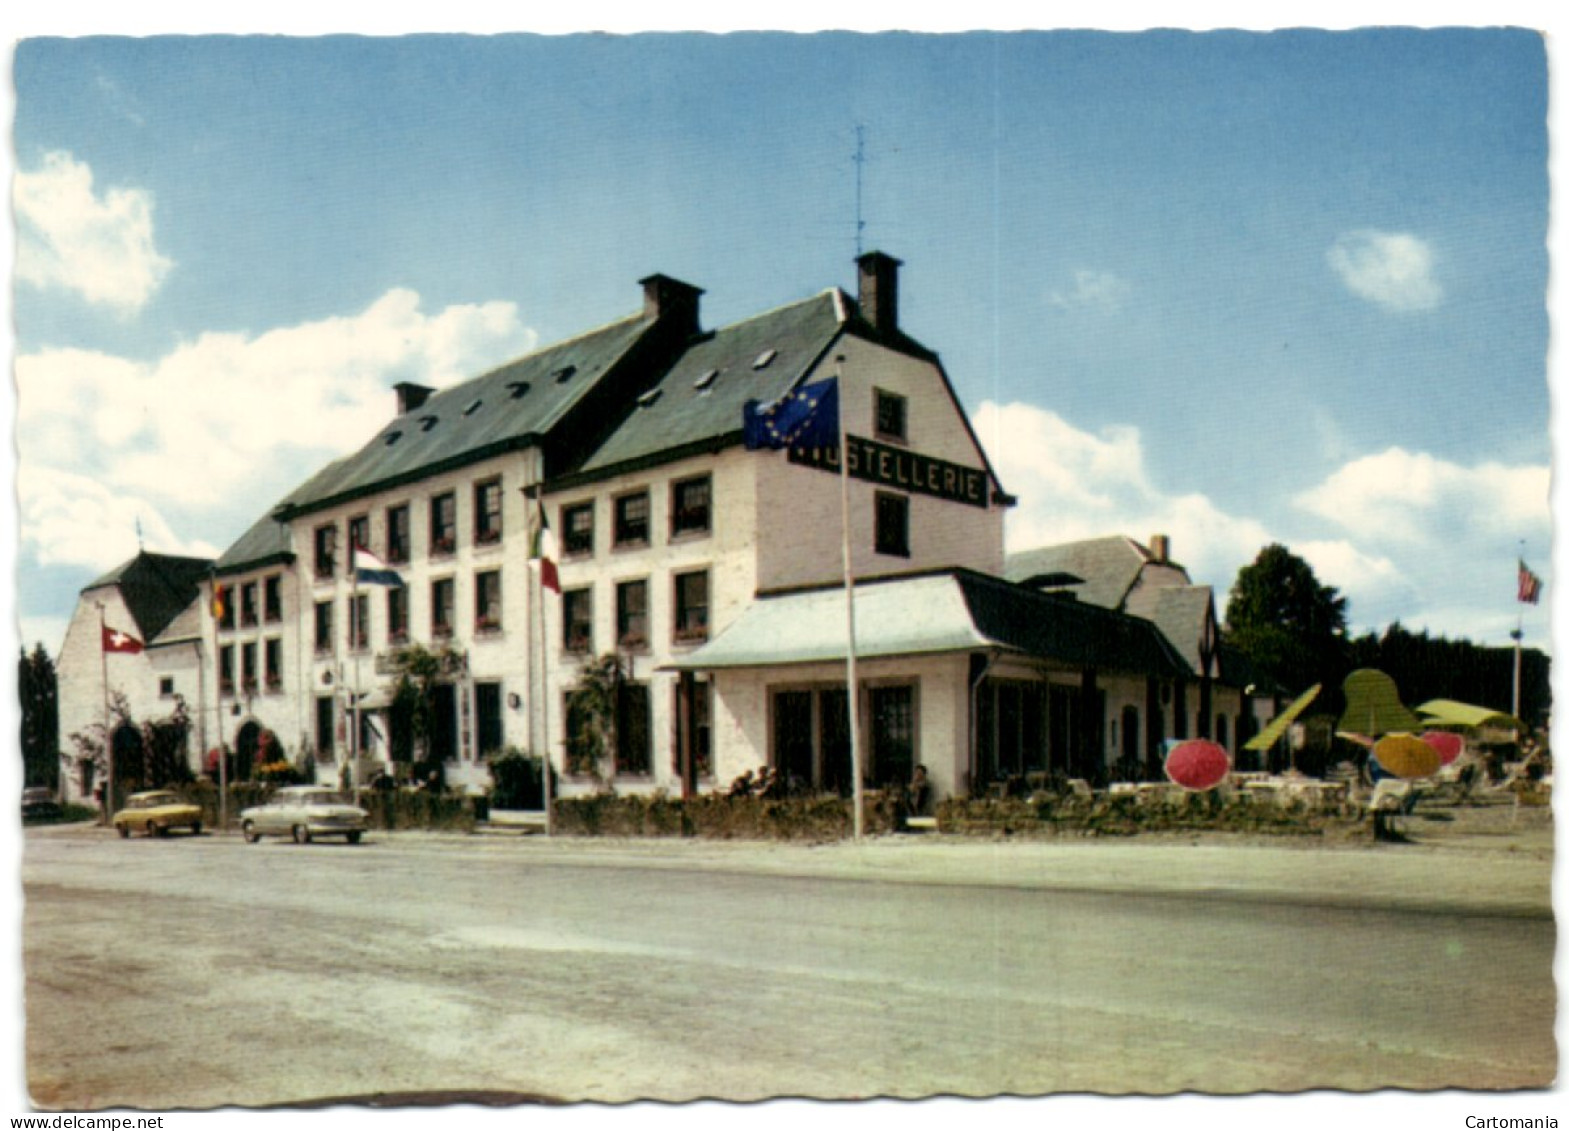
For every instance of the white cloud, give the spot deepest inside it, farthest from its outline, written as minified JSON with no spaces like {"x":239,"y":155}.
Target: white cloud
{"x":221,"y":427}
{"x":1097,"y":290}
{"x":68,"y":236}
{"x":1073,"y":484}
{"x":1412,"y":538}
{"x":75,"y":520}
{"x":1416,"y":498}
{"x":1392,"y":269}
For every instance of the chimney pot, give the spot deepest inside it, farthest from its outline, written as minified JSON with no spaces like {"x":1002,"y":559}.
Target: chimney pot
{"x":879,"y":290}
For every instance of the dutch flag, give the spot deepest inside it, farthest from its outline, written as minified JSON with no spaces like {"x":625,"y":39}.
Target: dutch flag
{"x":371,"y":570}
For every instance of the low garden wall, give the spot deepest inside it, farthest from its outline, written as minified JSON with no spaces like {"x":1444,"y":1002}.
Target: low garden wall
{"x":392,"y":809}
{"x":827,"y":819}
{"x":1128,"y":814}
{"x":719,"y":817}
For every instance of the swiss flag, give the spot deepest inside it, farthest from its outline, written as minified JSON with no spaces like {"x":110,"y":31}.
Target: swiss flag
{"x":117,"y":641}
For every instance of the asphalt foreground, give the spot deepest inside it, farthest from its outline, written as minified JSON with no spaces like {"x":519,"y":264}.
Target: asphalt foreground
{"x":200,"y":973}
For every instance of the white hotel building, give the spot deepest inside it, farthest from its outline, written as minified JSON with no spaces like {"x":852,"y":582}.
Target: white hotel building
{"x":713,"y":571}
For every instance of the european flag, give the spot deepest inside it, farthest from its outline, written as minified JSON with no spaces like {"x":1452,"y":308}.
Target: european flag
{"x":807,"y":417}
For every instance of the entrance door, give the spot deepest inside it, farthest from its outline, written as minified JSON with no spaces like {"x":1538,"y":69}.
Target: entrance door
{"x":893,"y":735}
{"x":793,"y":735}
{"x":245,"y":744}
{"x":833,"y":741}
{"x":444,"y":723}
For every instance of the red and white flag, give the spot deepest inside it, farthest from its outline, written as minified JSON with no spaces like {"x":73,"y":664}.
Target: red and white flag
{"x":543,"y":550}
{"x":117,"y":641}
{"x":1530,"y":587}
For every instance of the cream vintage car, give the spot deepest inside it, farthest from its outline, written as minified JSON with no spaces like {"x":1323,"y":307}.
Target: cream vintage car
{"x":304,"y":812}
{"x":155,"y":812}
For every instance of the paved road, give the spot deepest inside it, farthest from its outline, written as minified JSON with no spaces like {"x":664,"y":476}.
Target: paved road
{"x":199,"y":972}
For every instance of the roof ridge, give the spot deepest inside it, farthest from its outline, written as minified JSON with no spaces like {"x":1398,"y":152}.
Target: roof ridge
{"x":817,"y":296}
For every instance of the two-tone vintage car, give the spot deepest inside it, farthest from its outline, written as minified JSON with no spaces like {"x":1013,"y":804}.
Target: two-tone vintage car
{"x":304,"y":812}
{"x":155,"y":812}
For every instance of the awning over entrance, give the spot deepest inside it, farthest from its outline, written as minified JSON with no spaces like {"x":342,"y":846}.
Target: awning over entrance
{"x":919,"y":616}
{"x":928,"y":614}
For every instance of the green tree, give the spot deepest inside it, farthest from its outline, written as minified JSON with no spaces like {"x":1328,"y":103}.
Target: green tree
{"x":39,"y":689}
{"x":1289,"y":625}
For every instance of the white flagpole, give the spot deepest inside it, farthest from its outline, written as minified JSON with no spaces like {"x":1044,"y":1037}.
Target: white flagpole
{"x":223,"y":755}
{"x":849,"y":618}
{"x":103,"y":660}
{"x":541,"y":708}
{"x":1514,"y":705}
{"x":357,"y":626}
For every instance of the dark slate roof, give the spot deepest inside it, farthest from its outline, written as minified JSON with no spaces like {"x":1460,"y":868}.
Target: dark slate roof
{"x":1072,"y":632}
{"x":699,"y":401}
{"x":156,"y":588}
{"x":265,"y":543}
{"x":1110,"y":566}
{"x":476,"y":419}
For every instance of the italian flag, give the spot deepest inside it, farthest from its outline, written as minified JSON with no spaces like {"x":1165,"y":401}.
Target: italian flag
{"x":542,"y":549}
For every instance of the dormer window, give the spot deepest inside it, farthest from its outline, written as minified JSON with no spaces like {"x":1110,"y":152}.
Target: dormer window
{"x":518,"y":389}
{"x":648,"y":398}
{"x":703,"y":383}
{"x":426,"y":423}
{"x":393,"y":438}
{"x":564,"y":374}
{"x":764,"y":358}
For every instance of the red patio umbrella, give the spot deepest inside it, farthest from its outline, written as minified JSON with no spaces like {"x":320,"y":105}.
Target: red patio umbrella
{"x":1447,"y":743}
{"x":1198,"y":764}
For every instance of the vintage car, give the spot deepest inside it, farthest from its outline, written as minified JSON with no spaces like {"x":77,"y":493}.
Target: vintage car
{"x":304,"y":812}
{"x":38,"y":803}
{"x":155,"y":812}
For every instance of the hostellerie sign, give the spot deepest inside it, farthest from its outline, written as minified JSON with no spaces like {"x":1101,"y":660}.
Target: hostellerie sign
{"x":896,"y":467}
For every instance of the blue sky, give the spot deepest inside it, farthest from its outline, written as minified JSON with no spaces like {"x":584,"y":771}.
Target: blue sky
{"x":1231,"y":287}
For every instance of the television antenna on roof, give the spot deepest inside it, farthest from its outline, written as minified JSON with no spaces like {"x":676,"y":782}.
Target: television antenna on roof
{"x":860,"y":163}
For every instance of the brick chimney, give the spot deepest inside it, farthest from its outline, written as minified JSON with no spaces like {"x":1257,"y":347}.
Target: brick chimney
{"x":671,"y":300}
{"x":411,"y":396}
{"x":1160,"y":549}
{"x":879,"y":297}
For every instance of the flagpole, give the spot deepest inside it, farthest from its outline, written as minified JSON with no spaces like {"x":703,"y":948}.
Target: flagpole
{"x":103,"y":660}
{"x":223,"y":756}
{"x":849,"y":618}
{"x":536,"y":573}
{"x":357,"y":627}
{"x":1514,"y":702}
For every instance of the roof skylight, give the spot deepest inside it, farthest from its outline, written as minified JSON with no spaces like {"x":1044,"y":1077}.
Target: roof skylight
{"x":472,"y":408}
{"x":764,"y":358}
{"x":426,"y":423}
{"x":564,"y":374}
{"x":392,"y":438}
{"x":707,"y":379}
{"x":519,"y":389}
{"x":649,"y":397}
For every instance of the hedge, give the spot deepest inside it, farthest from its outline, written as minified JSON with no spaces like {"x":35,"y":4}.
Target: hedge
{"x":717,"y":817}
{"x":1045,"y":815}
{"x":393,"y":809}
